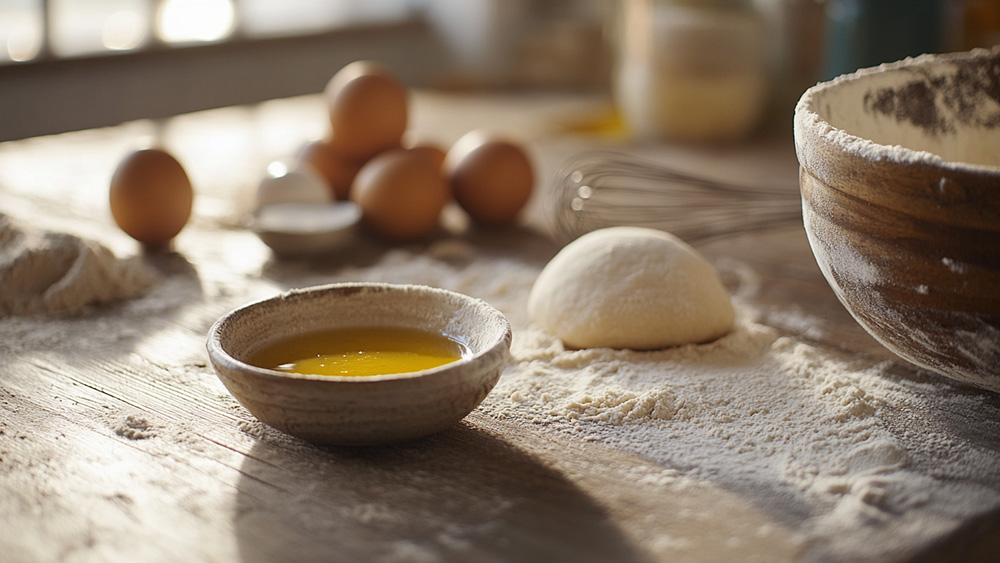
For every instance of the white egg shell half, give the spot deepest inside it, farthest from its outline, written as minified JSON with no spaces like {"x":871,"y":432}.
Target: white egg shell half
{"x":286,"y":182}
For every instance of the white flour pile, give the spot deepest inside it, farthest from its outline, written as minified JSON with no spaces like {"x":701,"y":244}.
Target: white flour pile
{"x":761,"y":413}
{"x":778,"y":420}
{"x":45,"y":272}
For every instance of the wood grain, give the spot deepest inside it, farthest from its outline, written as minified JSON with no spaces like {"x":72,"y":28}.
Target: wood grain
{"x":118,"y":442}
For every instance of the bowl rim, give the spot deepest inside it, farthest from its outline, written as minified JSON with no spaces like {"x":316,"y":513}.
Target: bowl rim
{"x":810,"y":129}
{"x":347,"y":214}
{"x":218,"y":354}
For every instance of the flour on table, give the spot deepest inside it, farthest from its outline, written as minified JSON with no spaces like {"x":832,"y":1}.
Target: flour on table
{"x":56,"y":273}
{"x":774,"y":418}
{"x":791,"y":426}
{"x":134,"y":427}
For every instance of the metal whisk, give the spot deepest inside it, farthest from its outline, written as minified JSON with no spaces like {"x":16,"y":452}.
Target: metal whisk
{"x":598,"y":189}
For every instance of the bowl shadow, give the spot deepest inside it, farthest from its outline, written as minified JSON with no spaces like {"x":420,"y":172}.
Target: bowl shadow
{"x":460,"y":495}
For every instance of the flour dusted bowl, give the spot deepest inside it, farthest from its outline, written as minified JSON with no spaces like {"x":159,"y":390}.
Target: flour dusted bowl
{"x":900,"y":183}
{"x":352,"y":410}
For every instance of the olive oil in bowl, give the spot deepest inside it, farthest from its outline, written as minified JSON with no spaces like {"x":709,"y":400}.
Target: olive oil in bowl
{"x":359,"y":351}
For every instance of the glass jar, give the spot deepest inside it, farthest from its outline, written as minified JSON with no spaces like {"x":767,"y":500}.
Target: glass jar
{"x":862,"y":33}
{"x":980,"y":25}
{"x":691,"y":70}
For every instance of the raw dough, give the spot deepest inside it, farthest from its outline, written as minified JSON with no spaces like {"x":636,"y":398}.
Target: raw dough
{"x":57,"y":273}
{"x":630,"y":287}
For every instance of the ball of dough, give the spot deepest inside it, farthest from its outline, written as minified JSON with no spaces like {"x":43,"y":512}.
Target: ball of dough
{"x":630,"y":287}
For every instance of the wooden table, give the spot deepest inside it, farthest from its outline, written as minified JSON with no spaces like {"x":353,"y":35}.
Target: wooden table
{"x":118,"y":443}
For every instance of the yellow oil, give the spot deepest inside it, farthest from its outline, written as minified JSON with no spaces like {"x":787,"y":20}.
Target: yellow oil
{"x":359,"y":351}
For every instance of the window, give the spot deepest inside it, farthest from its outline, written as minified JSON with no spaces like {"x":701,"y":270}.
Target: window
{"x":74,"y":64}
{"x":78,"y":64}
{"x":33,"y":29}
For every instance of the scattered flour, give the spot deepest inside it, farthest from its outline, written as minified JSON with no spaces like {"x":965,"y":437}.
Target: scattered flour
{"x":57,"y":273}
{"x":778,"y":420}
{"x":792,"y":426}
{"x":134,"y":428}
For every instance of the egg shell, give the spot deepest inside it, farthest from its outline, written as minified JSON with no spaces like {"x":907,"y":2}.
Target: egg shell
{"x":491,"y":178}
{"x":433,"y":153}
{"x":368,"y":109}
{"x":151,"y":196}
{"x":337,"y":169}
{"x":284,"y":182}
{"x":401,"y":195}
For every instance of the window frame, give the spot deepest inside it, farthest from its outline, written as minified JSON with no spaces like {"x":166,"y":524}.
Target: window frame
{"x":53,"y":95}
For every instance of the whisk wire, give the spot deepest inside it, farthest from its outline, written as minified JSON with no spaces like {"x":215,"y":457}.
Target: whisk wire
{"x":602,"y":189}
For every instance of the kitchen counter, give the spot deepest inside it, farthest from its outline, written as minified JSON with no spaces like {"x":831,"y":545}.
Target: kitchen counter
{"x":118,"y":443}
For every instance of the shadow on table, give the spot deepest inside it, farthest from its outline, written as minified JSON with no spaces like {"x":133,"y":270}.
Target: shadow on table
{"x":362,"y":255}
{"x":462,"y":495}
{"x":976,"y":541}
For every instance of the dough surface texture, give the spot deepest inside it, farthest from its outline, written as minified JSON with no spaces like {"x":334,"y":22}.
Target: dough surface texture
{"x":630,"y":287}
{"x":44,"y":272}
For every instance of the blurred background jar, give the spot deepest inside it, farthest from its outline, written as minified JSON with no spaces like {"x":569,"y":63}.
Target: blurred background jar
{"x":866,"y":33}
{"x":691,"y":70}
{"x":978,"y":23}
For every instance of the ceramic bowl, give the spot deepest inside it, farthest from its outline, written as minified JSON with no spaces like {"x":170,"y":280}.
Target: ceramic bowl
{"x":900,"y":184}
{"x":370,"y":409}
{"x":298,"y":229}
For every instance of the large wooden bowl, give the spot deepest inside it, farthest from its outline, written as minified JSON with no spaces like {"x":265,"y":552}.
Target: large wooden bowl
{"x":900,"y":182}
{"x":370,"y":409}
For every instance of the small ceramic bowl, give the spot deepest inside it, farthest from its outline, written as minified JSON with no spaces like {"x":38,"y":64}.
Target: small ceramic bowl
{"x":900,"y":183}
{"x":368,"y":409}
{"x":298,"y":229}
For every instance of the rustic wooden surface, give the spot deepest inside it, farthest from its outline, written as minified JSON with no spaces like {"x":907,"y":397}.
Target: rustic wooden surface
{"x":117,"y":442}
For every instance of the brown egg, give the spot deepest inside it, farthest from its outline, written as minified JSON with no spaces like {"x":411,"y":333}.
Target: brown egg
{"x":401,"y":195}
{"x":151,"y":196}
{"x":433,"y":153}
{"x":368,"y":109}
{"x":490,"y":178}
{"x":338,"y":170}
